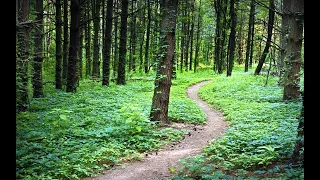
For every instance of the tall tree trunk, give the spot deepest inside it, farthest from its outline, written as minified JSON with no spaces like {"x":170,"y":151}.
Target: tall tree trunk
{"x":22,"y":59}
{"x":249,"y":38}
{"x":294,"y":9}
{"x":121,"y":80}
{"x":146,"y":56}
{"x":96,"y":49}
{"x":232,"y":37}
{"x":266,"y":48}
{"x":191,"y":35}
{"x":58,"y":45}
{"x":80,"y":46}
{"x":65,"y":40}
{"x":197,"y":41}
{"x":187,"y":38}
{"x":142,"y":33}
{"x":218,"y":36}
{"x":115,"y":55}
{"x":108,"y":41}
{"x":251,"y":45}
{"x":284,"y":31}
{"x":132,"y":59}
{"x":239,"y":38}
{"x":88,"y":40}
{"x":160,"y":100}
{"x":38,"y":59}
{"x":182,"y":46}
{"x":73,"y":49}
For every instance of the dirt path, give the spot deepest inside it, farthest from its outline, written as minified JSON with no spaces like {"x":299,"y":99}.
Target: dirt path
{"x":156,"y":165}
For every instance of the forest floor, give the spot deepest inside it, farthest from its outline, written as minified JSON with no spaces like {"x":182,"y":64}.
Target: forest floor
{"x":156,"y":165}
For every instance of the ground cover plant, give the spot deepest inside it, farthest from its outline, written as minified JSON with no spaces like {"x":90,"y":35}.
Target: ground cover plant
{"x":261,"y":135}
{"x":71,"y":135}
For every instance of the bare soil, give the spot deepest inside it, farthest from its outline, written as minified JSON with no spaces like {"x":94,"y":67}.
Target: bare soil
{"x":156,"y":165}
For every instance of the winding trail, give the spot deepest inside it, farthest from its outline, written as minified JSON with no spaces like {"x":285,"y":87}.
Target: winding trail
{"x":156,"y":165}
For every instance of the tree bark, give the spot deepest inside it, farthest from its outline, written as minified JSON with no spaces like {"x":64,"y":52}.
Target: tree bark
{"x":232,"y":37}
{"x":65,"y":40}
{"x":73,"y":49}
{"x":160,"y":100}
{"x":96,"y":49}
{"x":146,"y":55}
{"x":291,"y":79}
{"x":217,"y":38}
{"x":38,"y":59}
{"x":22,"y":57}
{"x":58,"y":45}
{"x":88,"y":40}
{"x":132,"y":60}
{"x":191,"y":35}
{"x":266,"y":48}
{"x":108,"y":41}
{"x":115,"y":55}
{"x":249,"y":38}
{"x":198,"y":38}
{"x":121,"y":80}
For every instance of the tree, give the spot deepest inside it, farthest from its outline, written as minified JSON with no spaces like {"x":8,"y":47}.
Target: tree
{"x":38,"y":58}
{"x":294,"y":10}
{"x":132,"y":58}
{"x":146,"y":55}
{"x":250,"y":36}
{"x":123,"y":43}
{"x":65,"y":40}
{"x":268,"y":43}
{"x":198,"y":39}
{"x":298,"y":152}
{"x":73,"y":48}
{"x":87,"y":35}
{"x":22,"y":56}
{"x":108,"y":41}
{"x":232,"y":37}
{"x":160,"y":100}
{"x":96,"y":26}
{"x":58,"y":45}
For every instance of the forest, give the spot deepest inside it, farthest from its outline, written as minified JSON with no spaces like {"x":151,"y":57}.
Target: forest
{"x":160,"y":89}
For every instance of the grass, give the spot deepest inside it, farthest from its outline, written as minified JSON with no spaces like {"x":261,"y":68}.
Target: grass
{"x":261,"y":134}
{"x":73,"y":135}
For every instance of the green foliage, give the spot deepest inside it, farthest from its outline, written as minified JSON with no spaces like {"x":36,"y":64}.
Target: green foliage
{"x":68,"y":136}
{"x":262,"y":128}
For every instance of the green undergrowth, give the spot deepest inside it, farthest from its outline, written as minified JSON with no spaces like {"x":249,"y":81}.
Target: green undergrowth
{"x":262,"y":131}
{"x":73,"y":135}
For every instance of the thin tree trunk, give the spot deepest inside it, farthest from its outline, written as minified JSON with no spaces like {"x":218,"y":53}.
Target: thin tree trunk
{"x":217,"y":38}
{"x":132,"y":59}
{"x":146,"y":55}
{"x":198,"y":38}
{"x":115,"y":56}
{"x":191,"y":35}
{"x":73,"y":49}
{"x":58,"y":45}
{"x":121,"y":80}
{"x":38,"y":59}
{"x":96,"y":49}
{"x":88,"y":40}
{"x":284,"y":31}
{"x":249,"y":38}
{"x":232,"y":38}
{"x":108,"y":41}
{"x":65,"y":40}
{"x":266,"y":49}
{"x":160,"y":100}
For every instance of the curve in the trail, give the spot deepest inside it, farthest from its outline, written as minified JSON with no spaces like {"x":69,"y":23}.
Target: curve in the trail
{"x":156,"y":165}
